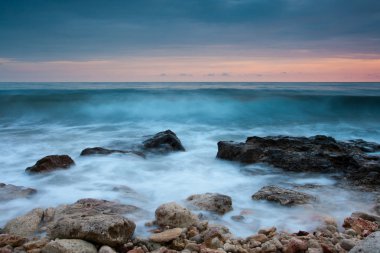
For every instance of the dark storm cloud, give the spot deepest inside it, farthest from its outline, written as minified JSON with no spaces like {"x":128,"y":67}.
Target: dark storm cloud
{"x":73,"y":29}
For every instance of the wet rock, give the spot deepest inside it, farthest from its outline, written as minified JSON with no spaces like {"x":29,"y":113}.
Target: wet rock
{"x":259,"y":238}
{"x":26,"y":225}
{"x":267,"y":231}
{"x":238,"y":218}
{"x":371,"y":244}
{"x":166,"y":236}
{"x":106,"y":249}
{"x":283,"y":196}
{"x":213,"y":202}
{"x":348,"y":244}
{"x":215,"y":236}
{"x":136,"y":250}
{"x":35,"y":245}
{"x":165,"y":141}
{"x":296,"y":245}
{"x":69,"y":246}
{"x":6,"y":249}
{"x":268,"y":247}
{"x":90,"y":206}
{"x":365,"y":146}
{"x":108,"y":229}
{"x":104,"y":151}
{"x":9,"y":192}
{"x":367,"y":216}
{"x":12,"y":240}
{"x":300,"y":154}
{"x":173,"y":215}
{"x":361,"y":226}
{"x":50,"y":163}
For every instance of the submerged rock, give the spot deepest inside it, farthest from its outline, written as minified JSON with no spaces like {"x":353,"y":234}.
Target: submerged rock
{"x":9,"y":192}
{"x":50,"y":163}
{"x":371,"y":244}
{"x":165,"y":141}
{"x":173,"y":215}
{"x":69,"y":246}
{"x":104,"y":151}
{"x":300,"y":154}
{"x":213,"y":202}
{"x":283,"y":196}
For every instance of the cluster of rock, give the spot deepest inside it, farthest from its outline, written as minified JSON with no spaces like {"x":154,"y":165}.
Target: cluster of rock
{"x":91,"y":226}
{"x":162,"y":142}
{"x":320,"y":154}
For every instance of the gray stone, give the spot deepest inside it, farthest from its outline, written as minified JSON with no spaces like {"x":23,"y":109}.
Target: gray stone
{"x":371,"y":244}
{"x":108,"y":229}
{"x":26,"y":225}
{"x":69,"y":246}
{"x":283,"y":196}
{"x":9,"y":192}
{"x":173,"y":215}
{"x":213,"y":202}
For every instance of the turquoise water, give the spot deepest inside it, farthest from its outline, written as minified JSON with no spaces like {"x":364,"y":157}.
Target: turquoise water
{"x":39,"y":119}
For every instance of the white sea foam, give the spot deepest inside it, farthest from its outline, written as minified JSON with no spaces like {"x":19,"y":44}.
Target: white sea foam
{"x":159,"y":179}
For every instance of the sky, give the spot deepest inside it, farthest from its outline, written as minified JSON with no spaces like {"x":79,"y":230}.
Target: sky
{"x":190,"y":40}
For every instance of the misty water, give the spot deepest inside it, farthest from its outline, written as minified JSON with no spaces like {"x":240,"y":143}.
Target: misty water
{"x":43,"y":119}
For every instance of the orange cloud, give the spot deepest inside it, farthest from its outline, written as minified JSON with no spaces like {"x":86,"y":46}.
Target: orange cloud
{"x":151,"y":69}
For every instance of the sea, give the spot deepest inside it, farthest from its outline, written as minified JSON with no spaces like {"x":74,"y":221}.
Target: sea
{"x":40,"y":119}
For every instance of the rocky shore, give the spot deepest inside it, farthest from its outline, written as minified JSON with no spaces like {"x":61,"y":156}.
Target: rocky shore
{"x":95,"y":225}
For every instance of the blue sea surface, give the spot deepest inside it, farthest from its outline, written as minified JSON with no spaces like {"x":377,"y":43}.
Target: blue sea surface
{"x":39,"y":119}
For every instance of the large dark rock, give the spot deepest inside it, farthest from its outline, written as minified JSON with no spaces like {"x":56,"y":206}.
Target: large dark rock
{"x":283,"y":196}
{"x":164,"y":142}
{"x":9,"y":192}
{"x":104,"y":151}
{"x":50,"y":163}
{"x":315,"y":154}
{"x":212,"y":202}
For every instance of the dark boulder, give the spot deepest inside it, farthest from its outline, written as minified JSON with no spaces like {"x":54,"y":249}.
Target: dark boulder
{"x":50,"y":163}
{"x":283,"y":196}
{"x":9,"y":192}
{"x":104,"y":151}
{"x":319,"y":153}
{"x":165,"y":141}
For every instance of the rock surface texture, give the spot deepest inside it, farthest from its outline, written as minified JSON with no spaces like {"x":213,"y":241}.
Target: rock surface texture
{"x":93,"y":220}
{"x":315,"y":154}
{"x":104,"y":151}
{"x":50,"y":163}
{"x":9,"y":192}
{"x":371,"y":244}
{"x":69,"y":246}
{"x":283,"y":196}
{"x":212,"y":202}
{"x":165,"y":141}
{"x":173,"y":215}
